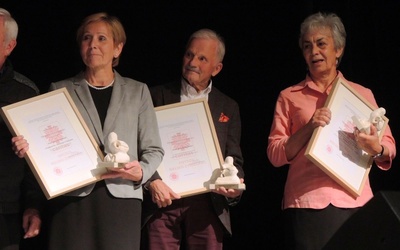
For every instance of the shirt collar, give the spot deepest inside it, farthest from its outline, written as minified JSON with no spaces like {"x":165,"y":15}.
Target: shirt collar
{"x":189,"y":91}
{"x":308,"y":83}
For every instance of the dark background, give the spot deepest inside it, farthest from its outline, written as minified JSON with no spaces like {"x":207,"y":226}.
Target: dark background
{"x":262,"y":58}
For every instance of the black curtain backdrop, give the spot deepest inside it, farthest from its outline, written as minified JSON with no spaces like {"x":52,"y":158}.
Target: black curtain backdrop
{"x":262,"y":58}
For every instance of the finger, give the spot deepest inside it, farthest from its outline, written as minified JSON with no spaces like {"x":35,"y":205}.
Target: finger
{"x":110,"y":175}
{"x":223,"y":190}
{"x":373,"y":130}
{"x":31,"y":233}
{"x":127,"y":166}
{"x":16,"y":138}
{"x":153,"y":198}
{"x":158,"y":197}
{"x":20,"y":153}
{"x":175,"y":195}
{"x":33,"y":229}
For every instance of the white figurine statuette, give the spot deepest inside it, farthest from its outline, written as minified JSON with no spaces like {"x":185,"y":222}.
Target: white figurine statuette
{"x":228,"y":173}
{"x":376,"y":118}
{"x":228,"y":177}
{"x":117,"y":149}
{"x":117,"y":152}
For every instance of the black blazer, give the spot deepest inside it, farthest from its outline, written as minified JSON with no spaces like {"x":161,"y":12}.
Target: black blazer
{"x":228,"y":133}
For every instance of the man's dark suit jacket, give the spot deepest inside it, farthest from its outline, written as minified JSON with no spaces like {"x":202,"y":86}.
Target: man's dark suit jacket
{"x":228,"y":133}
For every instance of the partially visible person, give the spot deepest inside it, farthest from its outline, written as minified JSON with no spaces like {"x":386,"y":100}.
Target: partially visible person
{"x":315,"y":206}
{"x":20,"y":195}
{"x":199,"y":221}
{"x":106,"y":215}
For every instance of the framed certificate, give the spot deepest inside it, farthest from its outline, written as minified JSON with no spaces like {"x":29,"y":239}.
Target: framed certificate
{"x":193,"y":157}
{"x":333,"y":148}
{"x":62,"y":153}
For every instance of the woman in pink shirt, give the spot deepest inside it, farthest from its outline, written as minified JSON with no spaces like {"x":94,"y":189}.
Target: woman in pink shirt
{"x":314,"y":204}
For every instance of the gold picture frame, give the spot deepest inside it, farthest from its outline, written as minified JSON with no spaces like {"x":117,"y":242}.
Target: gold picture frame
{"x":333,"y":148}
{"x":63,"y":154}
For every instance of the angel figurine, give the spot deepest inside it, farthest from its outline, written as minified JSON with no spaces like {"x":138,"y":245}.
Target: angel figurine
{"x":228,"y":173}
{"x":118,"y":150}
{"x":376,"y":119}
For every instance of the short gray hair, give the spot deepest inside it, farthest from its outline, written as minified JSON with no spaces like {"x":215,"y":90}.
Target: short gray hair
{"x":210,"y":34}
{"x":323,"y":20}
{"x":10,"y":25}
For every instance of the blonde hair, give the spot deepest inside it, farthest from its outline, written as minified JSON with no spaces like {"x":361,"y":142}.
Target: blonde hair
{"x":117,"y":29}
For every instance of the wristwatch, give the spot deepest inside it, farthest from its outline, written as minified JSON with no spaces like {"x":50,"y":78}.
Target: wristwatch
{"x":380,"y":154}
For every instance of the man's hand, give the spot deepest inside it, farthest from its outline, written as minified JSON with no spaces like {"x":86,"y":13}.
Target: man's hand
{"x":229,"y":193}
{"x":162,"y":194}
{"x":31,"y":223}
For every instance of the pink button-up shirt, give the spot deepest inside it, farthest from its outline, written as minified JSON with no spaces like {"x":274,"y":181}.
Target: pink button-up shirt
{"x":307,"y":186}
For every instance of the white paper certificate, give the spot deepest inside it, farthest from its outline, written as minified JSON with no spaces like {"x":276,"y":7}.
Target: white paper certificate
{"x":192,"y":155}
{"x":62,"y":153}
{"x":185,"y":147}
{"x":55,"y":137}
